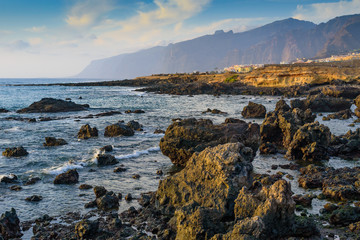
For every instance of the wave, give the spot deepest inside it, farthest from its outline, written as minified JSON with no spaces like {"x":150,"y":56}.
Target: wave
{"x":136,"y":154}
{"x":13,"y":129}
{"x":64,"y":168}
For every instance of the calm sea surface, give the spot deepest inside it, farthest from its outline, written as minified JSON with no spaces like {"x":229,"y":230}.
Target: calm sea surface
{"x":140,"y":154}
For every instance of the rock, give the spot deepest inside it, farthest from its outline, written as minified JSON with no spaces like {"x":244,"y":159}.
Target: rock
{"x":10,"y":225}
{"x":53,"y":105}
{"x":310,"y":143}
{"x":135,"y":111}
{"x":107,"y":202}
{"x":15,"y":152}
{"x":214,"y":111}
{"x":107,"y":148}
{"x":282,"y":106}
{"x":128,"y":197}
{"x":322,"y":103}
{"x":357,"y":112}
{"x":342,"y":115}
{"x":3,"y":110}
{"x":254,"y":110}
{"x":69,"y":177}
{"x":9,"y":179}
{"x":345,"y":215}
{"x":119,"y":169}
{"x":91,"y":204}
{"x":355,"y":227}
{"x":159,"y":131}
{"x":86,"y":229}
{"x":34,"y":198}
{"x":32,"y":181}
{"x":303,"y":200}
{"x":185,"y":137}
{"x":159,"y":172}
{"x":86,"y":132}
{"x":85,"y":186}
{"x":99,"y":191}
{"x":212,"y":178}
{"x":106,"y":159}
{"x":106,"y":114}
{"x":267,"y":148}
{"x":341,"y":91}
{"x":51,"y":141}
{"x":134,"y":125}
{"x":357,"y":101}
{"x":15,"y":188}
{"x":346,"y":146}
{"x":136,"y":176}
{"x":118,"y":129}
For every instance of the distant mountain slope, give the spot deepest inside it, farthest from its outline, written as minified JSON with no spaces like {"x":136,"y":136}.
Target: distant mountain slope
{"x":283,"y":40}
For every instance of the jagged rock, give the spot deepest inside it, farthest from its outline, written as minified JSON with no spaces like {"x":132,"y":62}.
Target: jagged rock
{"x":51,"y":141}
{"x":86,"y":229}
{"x":106,"y":159}
{"x":357,"y":101}
{"x":3,"y":110}
{"x":212,"y":178}
{"x":322,"y":103}
{"x":69,"y":177}
{"x":214,"y":111}
{"x":159,"y":131}
{"x":185,"y":137}
{"x":107,"y":202}
{"x":345,"y":215}
{"x":341,"y":91}
{"x":9,"y":179}
{"x":99,"y":191}
{"x":134,"y":125}
{"x":53,"y":105}
{"x":303,"y":200}
{"x":267,"y":148}
{"x":342,"y":115}
{"x":86,"y":132}
{"x":254,"y":110}
{"x":135,"y":111}
{"x":15,"y":152}
{"x":282,"y":106}
{"x":310,"y":143}
{"x":32,"y":181}
{"x":107,"y":148}
{"x":118,"y":129}
{"x":85,"y":186}
{"x":34,"y":198}
{"x":10,"y":225}
{"x":346,"y":146}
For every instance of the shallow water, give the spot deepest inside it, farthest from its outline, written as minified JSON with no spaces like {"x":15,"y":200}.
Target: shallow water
{"x":140,"y":153}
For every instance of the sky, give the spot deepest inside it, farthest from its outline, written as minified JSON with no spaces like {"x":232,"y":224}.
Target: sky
{"x":59,"y":38}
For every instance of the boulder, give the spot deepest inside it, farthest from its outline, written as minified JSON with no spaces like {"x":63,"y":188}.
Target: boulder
{"x":107,"y":148}
{"x":282,"y":106}
{"x":86,"y":229}
{"x":345,"y":215}
{"x":357,"y":101}
{"x":34,"y":198}
{"x":185,"y":137}
{"x":10,"y":225}
{"x":310,"y":143}
{"x":106,"y":159}
{"x":347,"y":145}
{"x":267,"y":148}
{"x":342,"y":115}
{"x":85,"y":186}
{"x":53,"y":105}
{"x":12,"y":178}
{"x":118,"y":129}
{"x":99,"y":191}
{"x":214,"y":111}
{"x":134,"y":125}
{"x":69,"y":177}
{"x":322,"y":103}
{"x":51,"y":141}
{"x":3,"y":110}
{"x":86,"y":132}
{"x":357,"y":112}
{"x":254,"y":110}
{"x":15,"y":152}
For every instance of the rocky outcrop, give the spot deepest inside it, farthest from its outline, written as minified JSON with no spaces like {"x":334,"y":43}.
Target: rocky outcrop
{"x":347,"y":145}
{"x":105,"y":160}
{"x":321,"y":103}
{"x":12,"y":178}
{"x":134,"y":125}
{"x":53,"y":105}
{"x":254,"y":110}
{"x":105,"y":200}
{"x":342,"y":115}
{"x":15,"y":152}
{"x":107,"y":148}
{"x":86,"y":132}
{"x":357,"y":101}
{"x":214,"y":111}
{"x":3,"y":110}
{"x":185,"y":137}
{"x":118,"y":129}
{"x":86,"y":229}
{"x":51,"y":142}
{"x":10,"y":225}
{"x":310,"y":143}
{"x":69,"y":177}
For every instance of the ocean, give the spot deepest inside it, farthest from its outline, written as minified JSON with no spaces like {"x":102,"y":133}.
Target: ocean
{"x":139,"y":154}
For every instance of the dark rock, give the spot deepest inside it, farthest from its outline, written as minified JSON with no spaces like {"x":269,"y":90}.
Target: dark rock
{"x":106,"y":159}
{"x":86,"y":132}
{"x":136,"y":176}
{"x":357,"y":101}
{"x":3,"y":110}
{"x":15,"y":188}
{"x":267,"y":148}
{"x":305,"y":228}
{"x":107,"y":202}
{"x":51,"y":141}
{"x":303,"y":200}
{"x":53,"y":105}
{"x":34,"y":198}
{"x":345,"y":215}
{"x":282,"y":106}
{"x":128,"y":197}
{"x":342,"y":115}
{"x":135,"y":111}
{"x":10,"y":225}
{"x":15,"y":152}
{"x":106,"y":114}
{"x":119,"y":196}
{"x":134,"y":125}
{"x":214,"y":111}
{"x":185,"y":137}
{"x":322,"y":103}
{"x":9,"y":179}
{"x":159,"y":131}
{"x":346,"y":146}
{"x":99,"y":191}
{"x":85,"y":186}
{"x":254,"y":110}
{"x":119,"y":169}
{"x":91,"y":204}
{"x":107,"y":148}
{"x":69,"y":177}
{"x":159,"y":172}
{"x":86,"y":229}
{"x":118,"y":129}
{"x":32,"y":181}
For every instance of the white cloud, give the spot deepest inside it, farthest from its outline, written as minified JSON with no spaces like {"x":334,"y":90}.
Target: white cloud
{"x":36,"y":29}
{"x":19,"y":45}
{"x":322,"y":12}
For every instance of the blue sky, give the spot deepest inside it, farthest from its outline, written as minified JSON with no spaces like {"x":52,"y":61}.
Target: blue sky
{"x":58,"y":38}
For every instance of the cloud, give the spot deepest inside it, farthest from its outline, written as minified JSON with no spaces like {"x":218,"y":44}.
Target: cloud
{"x":322,"y":12}
{"x":36,"y":29}
{"x":87,"y":12}
{"x":19,"y":45}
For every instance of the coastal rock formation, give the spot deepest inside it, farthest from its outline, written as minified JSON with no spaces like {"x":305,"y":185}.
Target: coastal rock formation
{"x":10,"y":225}
{"x":86,"y":229}
{"x":69,"y":177}
{"x":3,"y":110}
{"x":342,"y":115}
{"x":86,"y":132}
{"x":134,"y":125}
{"x":107,"y":148}
{"x":341,"y":91}
{"x":15,"y":152}
{"x":214,"y":111}
{"x":12,"y":178}
{"x":357,"y":101}
{"x":118,"y":129}
{"x":106,"y":159}
{"x":185,"y":137}
{"x":51,"y":141}
{"x":346,"y":146}
{"x":310,"y":143}
{"x":53,"y":105}
{"x":105,"y":200}
{"x":254,"y":110}
{"x":321,"y":103}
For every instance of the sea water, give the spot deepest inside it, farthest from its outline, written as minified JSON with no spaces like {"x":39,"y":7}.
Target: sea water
{"x":139,"y":154}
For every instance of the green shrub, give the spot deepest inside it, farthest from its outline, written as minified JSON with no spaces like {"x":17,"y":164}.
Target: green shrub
{"x":231,"y":79}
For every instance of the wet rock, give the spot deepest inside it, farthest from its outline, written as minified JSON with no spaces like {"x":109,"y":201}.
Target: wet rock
{"x":106,"y":160}
{"x":345,"y":215}
{"x":51,"y":141}
{"x":118,"y":129}
{"x":282,"y":106}
{"x":107,"y":148}
{"x":134,"y":125}
{"x":86,"y":229}
{"x":267,"y":148}
{"x":34,"y":198}
{"x":15,"y":152}
{"x":159,"y":131}
{"x":185,"y":137}
{"x":346,"y":146}
{"x":86,"y":132}
{"x":159,"y":172}
{"x":119,"y":169}
{"x":3,"y":110}
{"x":254,"y":110}
{"x":107,"y":202}
{"x":15,"y":188}
{"x":135,"y":111}
{"x":342,"y":115}
{"x":53,"y":105}
{"x":10,"y":225}
{"x":128,"y":197}
{"x":99,"y":191}
{"x":322,"y":103}
{"x":310,"y":143}
{"x":214,"y":111}
{"x":69,"y":177}
{"x":91,"y":204}
{"x":12,"y":178}
{"x":85,"y":186}
{"x":106,"y":114}
{"x":32,"y":181}
{"x":136,"y":176}
{"x":303,"y":200}
{"x":357,"y":101}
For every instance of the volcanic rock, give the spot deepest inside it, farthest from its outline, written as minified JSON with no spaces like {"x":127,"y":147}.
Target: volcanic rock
{"x":321,"y":103}
{"x":86,"y":229}
{"x":118,"y":129}
{"x":51,"y":141}
{"x":107,"y":148}
{"x":69,"y":177}
{"x":106,"y":159}
{"x":53,"y":105}
{"x":254,"y":110}
{"x":15,"y":152}
{"x":134,"y":125}
{"x":10,"y":225}
{"x":86,"y":132}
